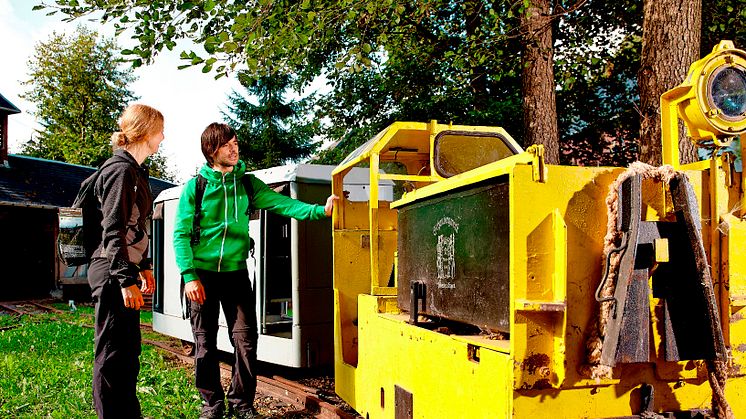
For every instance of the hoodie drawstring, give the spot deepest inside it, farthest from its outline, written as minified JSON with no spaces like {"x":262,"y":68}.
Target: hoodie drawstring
{"x":235,"y":200}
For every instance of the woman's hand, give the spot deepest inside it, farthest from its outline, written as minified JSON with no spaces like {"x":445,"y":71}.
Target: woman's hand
{"x":132,"y":297}
{"x":148,"y":281}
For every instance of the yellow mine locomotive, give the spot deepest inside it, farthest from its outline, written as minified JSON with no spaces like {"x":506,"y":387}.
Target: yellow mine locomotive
{"x":497,"y":286}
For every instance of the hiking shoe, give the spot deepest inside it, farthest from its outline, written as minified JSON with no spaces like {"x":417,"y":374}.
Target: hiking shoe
{"x":211,"y":414}
{"x":248,"y":414}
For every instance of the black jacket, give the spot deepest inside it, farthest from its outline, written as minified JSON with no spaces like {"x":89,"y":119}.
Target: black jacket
{"x":126,"y":205}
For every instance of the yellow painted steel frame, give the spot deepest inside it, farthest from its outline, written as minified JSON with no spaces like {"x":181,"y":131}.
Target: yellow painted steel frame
{"x":557,"y":223}
{"x":364,"y":267}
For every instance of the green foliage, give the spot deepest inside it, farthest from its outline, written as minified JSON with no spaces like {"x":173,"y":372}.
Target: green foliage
{"x":363,"y":103}
{"x":445,"y":61}
{"x":597,"y":102}
{"x":723,"y":19}
{"x":298,"y":36}
{"x":596,"y":66}
{"x":159,"y":168}
{"x":454,"y":61}
{"x":79,"y":87}
{"x":46,"y":363}
{"x":275,"y":131}
{"x":598,"y":119}
{"x":438,"y":59}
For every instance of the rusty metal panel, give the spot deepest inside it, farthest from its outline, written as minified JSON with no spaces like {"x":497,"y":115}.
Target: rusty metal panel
{"x":457,"y":244}
{"x":404,"y":403}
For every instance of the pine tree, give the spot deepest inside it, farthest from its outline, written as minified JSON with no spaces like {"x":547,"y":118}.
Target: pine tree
{"x":274,"y":131}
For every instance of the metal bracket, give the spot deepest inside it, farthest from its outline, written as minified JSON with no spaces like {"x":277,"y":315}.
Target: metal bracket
{"x":538,"y":167}
{"x":417,"y":293}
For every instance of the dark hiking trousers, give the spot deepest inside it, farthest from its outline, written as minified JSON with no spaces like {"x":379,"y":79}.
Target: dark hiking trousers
{"x":117,"y":347}
{"x":234,"y":292}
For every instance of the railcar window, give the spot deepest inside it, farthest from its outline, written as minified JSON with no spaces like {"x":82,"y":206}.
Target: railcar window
{"x":458,"y":152}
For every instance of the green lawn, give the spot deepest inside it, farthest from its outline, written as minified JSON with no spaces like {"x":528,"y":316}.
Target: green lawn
{"x":46,"y":365}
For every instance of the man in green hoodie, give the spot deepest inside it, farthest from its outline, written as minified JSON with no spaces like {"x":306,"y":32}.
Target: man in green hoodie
{"x":214,"y":267}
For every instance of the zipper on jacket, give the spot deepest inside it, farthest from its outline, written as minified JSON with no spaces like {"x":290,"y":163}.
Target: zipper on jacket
{"x":225,"y":222}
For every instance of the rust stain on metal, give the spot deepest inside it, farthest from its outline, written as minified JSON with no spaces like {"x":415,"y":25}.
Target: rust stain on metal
{"x":577,"y":330}
{"x":540,"y":385}
{"x":536,"y":363}
{"x":734,"y":370}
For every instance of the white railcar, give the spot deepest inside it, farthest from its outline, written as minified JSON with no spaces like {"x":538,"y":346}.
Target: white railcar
{"x":291,"y":269}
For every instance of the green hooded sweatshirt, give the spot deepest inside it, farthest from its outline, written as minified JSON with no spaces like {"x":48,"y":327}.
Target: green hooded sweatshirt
{"x":224,"y":240}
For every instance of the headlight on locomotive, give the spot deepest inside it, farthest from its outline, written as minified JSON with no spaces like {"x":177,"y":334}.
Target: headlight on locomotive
{"x":718,"y":108}
{"x":727,"y":89}
{"x":711,"y":101}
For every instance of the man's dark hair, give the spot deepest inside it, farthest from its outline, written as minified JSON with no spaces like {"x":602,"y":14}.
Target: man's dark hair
{"x":215,"y":136}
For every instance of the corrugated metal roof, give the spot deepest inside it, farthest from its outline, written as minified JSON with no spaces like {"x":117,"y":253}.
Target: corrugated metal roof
{"x":6,"y":106}
{"x":34,"y":181}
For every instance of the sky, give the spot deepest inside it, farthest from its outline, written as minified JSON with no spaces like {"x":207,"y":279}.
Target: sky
{"x":188,"y":99}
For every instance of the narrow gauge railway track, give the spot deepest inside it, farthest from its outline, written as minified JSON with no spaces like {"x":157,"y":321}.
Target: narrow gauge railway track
{"x":41,"y":306}
{"x":300,"y":397}
{"x":27,"y":307}
{"x":304,"y":401}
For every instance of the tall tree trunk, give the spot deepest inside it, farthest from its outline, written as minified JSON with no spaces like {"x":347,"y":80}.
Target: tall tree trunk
{"x":671,"y":33}
{"x":537,"y":80}
{"x":478,"y":76}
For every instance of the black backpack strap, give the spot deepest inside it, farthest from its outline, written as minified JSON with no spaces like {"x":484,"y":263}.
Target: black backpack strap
{"x":199,"y":193}
{"x":185,"y":303}
{"x":249,"y":187}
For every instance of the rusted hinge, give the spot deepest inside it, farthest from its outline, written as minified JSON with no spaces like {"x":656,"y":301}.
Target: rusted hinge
{"x":539,"y":170}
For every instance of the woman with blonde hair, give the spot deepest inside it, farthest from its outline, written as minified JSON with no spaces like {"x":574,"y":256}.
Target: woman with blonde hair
{"x":120,"y":262}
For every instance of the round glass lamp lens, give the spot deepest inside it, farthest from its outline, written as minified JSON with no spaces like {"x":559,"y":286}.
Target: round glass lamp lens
{"x":729,"y":91}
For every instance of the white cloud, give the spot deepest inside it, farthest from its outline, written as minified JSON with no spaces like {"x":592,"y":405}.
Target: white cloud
{"x":189,"y":100}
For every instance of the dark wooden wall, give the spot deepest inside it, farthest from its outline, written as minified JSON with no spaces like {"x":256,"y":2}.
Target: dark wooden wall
{"x":27,"y":252}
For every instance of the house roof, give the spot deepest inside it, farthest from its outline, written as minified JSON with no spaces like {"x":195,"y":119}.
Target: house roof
{"x":34,"y":181}
{"x":7,"y":107}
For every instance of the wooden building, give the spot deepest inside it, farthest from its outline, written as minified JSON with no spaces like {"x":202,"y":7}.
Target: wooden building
{"x":31,"y":192}
{"x":6,"y":108}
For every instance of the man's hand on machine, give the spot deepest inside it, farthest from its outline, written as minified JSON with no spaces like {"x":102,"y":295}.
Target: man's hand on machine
{"x":330,"y":205}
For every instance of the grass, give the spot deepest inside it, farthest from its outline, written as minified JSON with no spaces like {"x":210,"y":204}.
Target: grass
{"x":46,"y":364}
